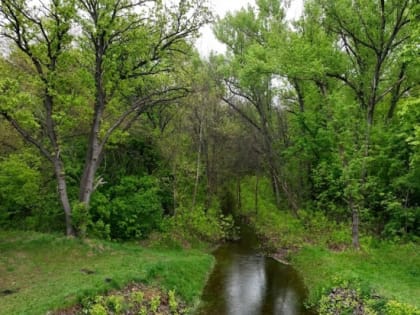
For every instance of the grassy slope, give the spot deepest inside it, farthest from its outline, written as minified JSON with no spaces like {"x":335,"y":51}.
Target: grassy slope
{"x":393,"y":271}
{"x":46,"y":270}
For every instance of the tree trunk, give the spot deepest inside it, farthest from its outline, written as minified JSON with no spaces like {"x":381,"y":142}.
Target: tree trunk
{"x":396,"y":92}
{"x":64,"y":199}
{"x":197,"y":172}
{"x":256,"y":194}
{"x":238,"y":196}
{"x":275,"y":185}
{"x":94,"y":148}
{"x":209,"y":175}
{"x":88,"y":178}
{"x":58,"y":163}
{"x":174,"y":189}
{"x":355,"y":224}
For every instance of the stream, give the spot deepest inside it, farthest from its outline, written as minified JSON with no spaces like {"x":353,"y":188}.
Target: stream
{"x":245,"y":282}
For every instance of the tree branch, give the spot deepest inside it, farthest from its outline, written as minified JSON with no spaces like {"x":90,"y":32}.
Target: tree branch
{"x":27,"y":136}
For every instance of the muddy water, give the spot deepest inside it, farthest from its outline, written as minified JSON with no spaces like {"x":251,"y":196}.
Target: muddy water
{"x":245,"y":282}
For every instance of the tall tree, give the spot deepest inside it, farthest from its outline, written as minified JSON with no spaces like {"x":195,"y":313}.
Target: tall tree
{"x":129,"y":48}
{"x":250,"y":78}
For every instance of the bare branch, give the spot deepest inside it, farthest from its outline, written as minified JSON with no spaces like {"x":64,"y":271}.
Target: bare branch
{"x":242,"y":114}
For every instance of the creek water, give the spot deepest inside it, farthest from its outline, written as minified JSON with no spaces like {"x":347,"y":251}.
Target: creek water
{"x":245,"y":282}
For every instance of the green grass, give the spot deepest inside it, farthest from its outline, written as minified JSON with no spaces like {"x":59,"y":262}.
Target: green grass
{"x":392,"y":271}
{"x":46,"y":270}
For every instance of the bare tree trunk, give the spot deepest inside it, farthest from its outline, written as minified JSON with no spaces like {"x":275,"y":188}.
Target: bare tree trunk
{"x":275,"y":186}
{"x":94,"y":147}
{"x":209,"y":174}
{"x":174,"y":189}
{"x":87,"y":182}
{"x":256,"y":194}
{"x":64,"y":199}
{"x":355,"y":224}
{"x":238,"y":196}
{"x":197,"y":172}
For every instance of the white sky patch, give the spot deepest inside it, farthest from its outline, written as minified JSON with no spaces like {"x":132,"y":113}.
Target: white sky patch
{"x":208,"y":42}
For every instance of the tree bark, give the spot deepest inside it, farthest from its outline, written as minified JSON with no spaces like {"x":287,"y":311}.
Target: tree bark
{"x":239,"y":197}
{"x":64,"y":199}
{"x":355,"y":224}
{"x":198,"y":164}
{"x":94,"y":148}
{"x":256,"y":194}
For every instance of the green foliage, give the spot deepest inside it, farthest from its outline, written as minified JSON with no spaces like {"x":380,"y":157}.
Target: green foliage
{"x":81,"y":218}
{"x":20,"y":179}
{"x":27,"y":196}
{"x":127,"y":301}
{"x":173,"y":304}
{"x":397,"y":308}
{"x":98,"y":309}
{"x":195,"y":226}
{"x":137,"y":297}
{"x":154,"y":303}
{"x":347,"y":298}
{"x":115,"y":303}
{"x":131,"y":209}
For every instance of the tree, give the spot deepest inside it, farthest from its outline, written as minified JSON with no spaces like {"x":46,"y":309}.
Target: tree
{"x":371,"y":34}
{"x":249,"y":78}
{"x":129,"y":50}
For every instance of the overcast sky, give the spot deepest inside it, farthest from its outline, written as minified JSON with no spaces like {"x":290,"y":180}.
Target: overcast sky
{"x":208,"y":42}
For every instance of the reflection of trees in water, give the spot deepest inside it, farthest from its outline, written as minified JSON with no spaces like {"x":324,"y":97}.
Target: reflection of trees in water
{"x":245,"y":285}
{"x":281,"y":296}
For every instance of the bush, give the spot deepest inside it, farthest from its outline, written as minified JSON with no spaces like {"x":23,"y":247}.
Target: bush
{"x":28,"y":197}
{"x":191,"y":227}
{"x":397,"y":308}
{"x":130,"y":210}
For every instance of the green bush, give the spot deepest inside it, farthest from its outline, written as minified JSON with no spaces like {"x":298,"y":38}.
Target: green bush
{"x":197,"y":225}
{"x":397,"y":308}
{"x":28,"y":198}
{"x":132,"y":209}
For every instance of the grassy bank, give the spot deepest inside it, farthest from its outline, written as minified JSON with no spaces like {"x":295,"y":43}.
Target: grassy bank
{"x":387,"y":270}
{"x":41,"y":272}
{"x":382,"y":278}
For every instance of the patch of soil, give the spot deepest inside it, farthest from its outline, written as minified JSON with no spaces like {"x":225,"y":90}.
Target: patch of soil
{"x":282,"y":255}
{"x":8,"y":292}
{"x":87,"y":271}
{"x":337,"y":247}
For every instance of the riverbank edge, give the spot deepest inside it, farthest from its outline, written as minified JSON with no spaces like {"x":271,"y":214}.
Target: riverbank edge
{"x":342,"y":295}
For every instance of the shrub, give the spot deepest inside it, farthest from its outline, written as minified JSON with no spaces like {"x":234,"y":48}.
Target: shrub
{"x":130,"y":210}
{"x":397,"y":308}
{"x":197,"y":225}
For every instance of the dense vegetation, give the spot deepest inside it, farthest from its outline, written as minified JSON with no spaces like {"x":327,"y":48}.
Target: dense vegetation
{"x":112,"y":127}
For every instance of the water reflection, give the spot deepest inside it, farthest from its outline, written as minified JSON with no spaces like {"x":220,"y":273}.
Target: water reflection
{"x":247,"y":283}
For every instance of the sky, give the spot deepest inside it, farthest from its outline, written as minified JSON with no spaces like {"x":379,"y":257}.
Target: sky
{"x":207,"y":42}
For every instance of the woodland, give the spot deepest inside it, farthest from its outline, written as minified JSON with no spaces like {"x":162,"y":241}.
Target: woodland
{"x":114,"y":128}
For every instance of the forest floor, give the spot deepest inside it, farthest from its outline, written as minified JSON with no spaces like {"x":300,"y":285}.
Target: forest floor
{"x":43,"y":272}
